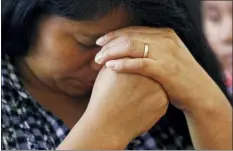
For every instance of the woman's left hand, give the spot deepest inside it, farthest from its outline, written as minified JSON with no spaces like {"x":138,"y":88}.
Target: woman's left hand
{"x":168,"y":61}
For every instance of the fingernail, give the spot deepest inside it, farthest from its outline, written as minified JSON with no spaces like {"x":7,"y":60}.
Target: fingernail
{"x":100,"y":41}
{"x":98,"y":58}
{"x":111,"y":64}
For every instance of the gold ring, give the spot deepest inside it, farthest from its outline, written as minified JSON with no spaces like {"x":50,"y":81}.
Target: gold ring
{"x":146,"y":51}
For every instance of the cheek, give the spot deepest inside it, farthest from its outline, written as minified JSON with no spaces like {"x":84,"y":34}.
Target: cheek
{"x":211,"y":30}
{"x":56,"y":60}
{"x":212,"y":34}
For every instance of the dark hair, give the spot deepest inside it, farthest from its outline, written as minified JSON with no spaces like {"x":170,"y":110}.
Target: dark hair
{"x":20,"y":18}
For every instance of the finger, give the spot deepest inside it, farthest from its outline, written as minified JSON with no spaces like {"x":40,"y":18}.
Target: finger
{"x":115,"y":41}
{"x":135,"y":46}
{"x":95,"y":67}
{"x":165,"y":43}
{"x":120,"y":47}
{"x":149,"y":38}
{"x":144,"y":66}
{"x":131,"y":30}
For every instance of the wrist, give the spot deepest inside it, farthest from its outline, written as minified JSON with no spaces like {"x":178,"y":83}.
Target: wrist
{"x":210,"y":125}
{"x":105,"y":136}
{"x":214,"y":106}
{"x":89,"y":134}
{"x":206,"y":99}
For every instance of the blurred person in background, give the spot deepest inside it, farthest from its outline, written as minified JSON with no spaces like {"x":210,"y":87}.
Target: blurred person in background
{"x":217,"y":21}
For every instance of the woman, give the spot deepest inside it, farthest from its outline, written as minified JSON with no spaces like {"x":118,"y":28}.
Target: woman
{"x":48,"y":73}
{"x":217,"y":19}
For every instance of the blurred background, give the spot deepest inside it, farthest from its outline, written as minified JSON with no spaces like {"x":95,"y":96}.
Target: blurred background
{"x":217,"y":23}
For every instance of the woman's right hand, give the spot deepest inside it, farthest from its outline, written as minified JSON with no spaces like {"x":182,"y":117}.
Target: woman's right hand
{"x":122,"y":106}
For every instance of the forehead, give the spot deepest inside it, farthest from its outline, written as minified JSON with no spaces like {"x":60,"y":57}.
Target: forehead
{"x":114,"y":20}
{"x":225,"y":5}
{"x":111,"y":21}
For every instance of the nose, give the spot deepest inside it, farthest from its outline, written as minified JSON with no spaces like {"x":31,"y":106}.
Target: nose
{"x":226,"y":31}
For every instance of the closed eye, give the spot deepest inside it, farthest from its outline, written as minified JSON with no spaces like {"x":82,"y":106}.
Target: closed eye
{"x":85,"y":46}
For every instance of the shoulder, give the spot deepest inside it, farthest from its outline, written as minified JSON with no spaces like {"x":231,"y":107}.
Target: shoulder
{"x":10,"y":83}
{"x":13,"y":107}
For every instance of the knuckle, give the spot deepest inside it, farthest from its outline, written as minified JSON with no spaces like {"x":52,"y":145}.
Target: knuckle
{"x":121,"y":64}
{"x":130,"y":43}
{"x":168,"y":40}
{"x":132,"y":29}
{"x":169,"y":30}
{"x":142,"y":64}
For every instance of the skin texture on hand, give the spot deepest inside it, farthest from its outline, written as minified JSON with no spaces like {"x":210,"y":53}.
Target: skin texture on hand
{"x":129,"y":102}
{"x":122,"y":106}
{"x":187,"y":85}
{"x":169,"y":62}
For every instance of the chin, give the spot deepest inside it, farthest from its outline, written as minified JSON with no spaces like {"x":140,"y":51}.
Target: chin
{"x":72,"y":88}
{"x":77,"y":93}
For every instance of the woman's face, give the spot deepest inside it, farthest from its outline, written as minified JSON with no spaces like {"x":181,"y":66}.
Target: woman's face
{"x":218,"y":29}
{"x":62,"y":56}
